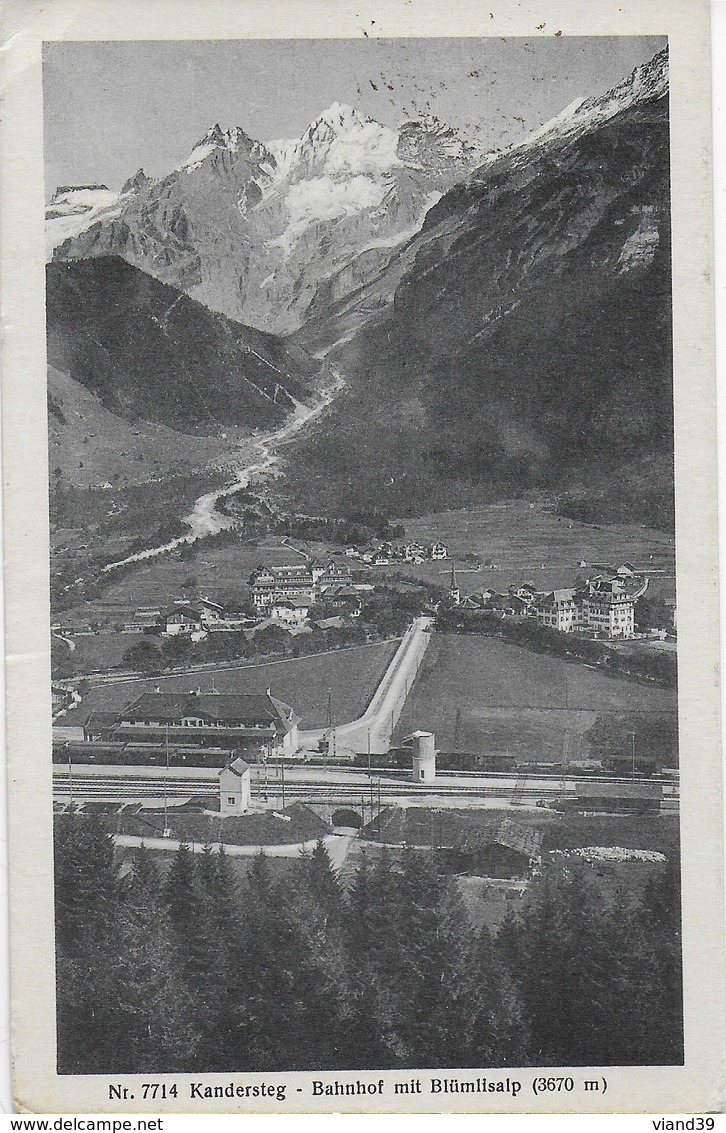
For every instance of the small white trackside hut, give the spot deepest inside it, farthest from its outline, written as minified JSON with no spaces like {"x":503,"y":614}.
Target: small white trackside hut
{"x":235,"y":788}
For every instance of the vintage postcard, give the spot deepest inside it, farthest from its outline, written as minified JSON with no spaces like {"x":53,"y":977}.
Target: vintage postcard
{"x":361,"y":580}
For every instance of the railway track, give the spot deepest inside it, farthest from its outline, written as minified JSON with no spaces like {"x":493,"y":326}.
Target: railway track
{"x":125,"y":788}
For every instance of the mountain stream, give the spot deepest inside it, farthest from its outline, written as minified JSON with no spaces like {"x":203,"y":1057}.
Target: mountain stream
{"x":204,"y":519}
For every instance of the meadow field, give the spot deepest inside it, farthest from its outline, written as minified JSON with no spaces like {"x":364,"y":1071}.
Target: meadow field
{"x":218,"y":572}
{"x":480,"y":694}
{"x":525,"y":541}
{"x":352,"y":675}
{"x":522,"y":542}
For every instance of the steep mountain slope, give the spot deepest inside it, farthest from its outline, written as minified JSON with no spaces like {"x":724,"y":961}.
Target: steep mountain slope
{"x":149,"y":352}
{"x":257,"y":231}
{"x":89,"y":445}
{"x":528,"y":344}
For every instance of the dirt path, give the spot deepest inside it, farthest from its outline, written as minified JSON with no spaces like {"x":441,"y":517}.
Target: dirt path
{"x":337,"y":846}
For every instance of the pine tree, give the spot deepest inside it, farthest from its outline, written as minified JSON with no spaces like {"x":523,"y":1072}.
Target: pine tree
{"x":86,"y":904}
{"x":151,"y":1025}
{"x":590,"y":973}
{"x":321,"y":882}
{"x":499,"y":1032}
{"x":662,"y":910}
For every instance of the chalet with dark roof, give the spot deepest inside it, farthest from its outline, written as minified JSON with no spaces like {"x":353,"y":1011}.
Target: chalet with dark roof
{"x":510,"y":849}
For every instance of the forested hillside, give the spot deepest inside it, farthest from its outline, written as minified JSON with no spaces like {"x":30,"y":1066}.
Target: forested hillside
{"x":194,"y":971}
{"x":150,"y":352}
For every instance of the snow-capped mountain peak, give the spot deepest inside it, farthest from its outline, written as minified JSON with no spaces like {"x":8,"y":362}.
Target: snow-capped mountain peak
{"x":647,"y":83}
{"x":73,"y":208}
{"x":339,"y":142}
{"x":256,"y":228}
{"x":234,"y":141}
{"x":340,"y":118}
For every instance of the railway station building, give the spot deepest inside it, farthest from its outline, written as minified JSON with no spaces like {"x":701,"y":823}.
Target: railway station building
{"x":244,"y":723}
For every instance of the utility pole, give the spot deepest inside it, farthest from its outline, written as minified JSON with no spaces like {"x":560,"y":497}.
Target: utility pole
{"x":370,"y":775}
{"x":282,"y":780}
{"x":70,"y":773}
{"x":632,"y":736}
{"x":379,"y":808}
{"x":329,"y":725}
{"x":166,"y":781}
{"x":263,"y":753}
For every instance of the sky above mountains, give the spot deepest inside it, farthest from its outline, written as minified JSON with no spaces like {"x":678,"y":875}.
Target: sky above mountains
{"x":110,"y":108}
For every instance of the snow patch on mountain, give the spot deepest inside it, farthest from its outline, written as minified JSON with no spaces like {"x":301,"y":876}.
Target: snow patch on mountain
{"x":557,"y":124}
{"x":397,"y":238}
{"x":198,"y":156}
{"x":640,"y":248}
{"x":323,"y":199}
{"x":368,"y":149}
{"x":72,"y":210}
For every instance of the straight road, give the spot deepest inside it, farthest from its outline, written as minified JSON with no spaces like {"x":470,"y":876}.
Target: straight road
{"x":373,"y":730}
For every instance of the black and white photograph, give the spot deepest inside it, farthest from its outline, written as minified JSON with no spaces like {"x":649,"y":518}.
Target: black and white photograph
{"x":363,"y":578}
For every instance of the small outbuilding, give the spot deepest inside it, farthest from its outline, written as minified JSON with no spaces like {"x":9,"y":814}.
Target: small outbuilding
{"x":235,"y":788}
{"x":508,"y":851}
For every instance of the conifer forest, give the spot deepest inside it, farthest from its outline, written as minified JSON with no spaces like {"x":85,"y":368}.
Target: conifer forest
{"x":192,"y":967}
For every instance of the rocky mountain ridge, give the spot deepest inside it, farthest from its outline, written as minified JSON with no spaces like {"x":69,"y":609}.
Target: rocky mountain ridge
{"x":257,"y":230}
{"x":521,"y":340}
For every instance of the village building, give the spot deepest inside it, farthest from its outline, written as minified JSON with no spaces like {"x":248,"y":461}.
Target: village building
{"x":510,"y":849}
{"x":181,"y":621}
{"x":558,"y":609}
{"x":210,"y":612}
{"x":438,"y":551}
{"x":290,"y":611}
{"x":145,"y":620}
{"x":331,"y":574}
{"x":414,"y":553}
{"x":240,"y":722}
{"x":324,"y":624}
{"x":608,"y":605}
{"x":230,"y":622}
{"x":615,"y":798}
{"x":604,"y":605}
{"x":346,"y":599}
{"x":272,"y":584}
{"x":305,"y":580}
{"x":235,"y":788}
{"x":526,"y":591}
